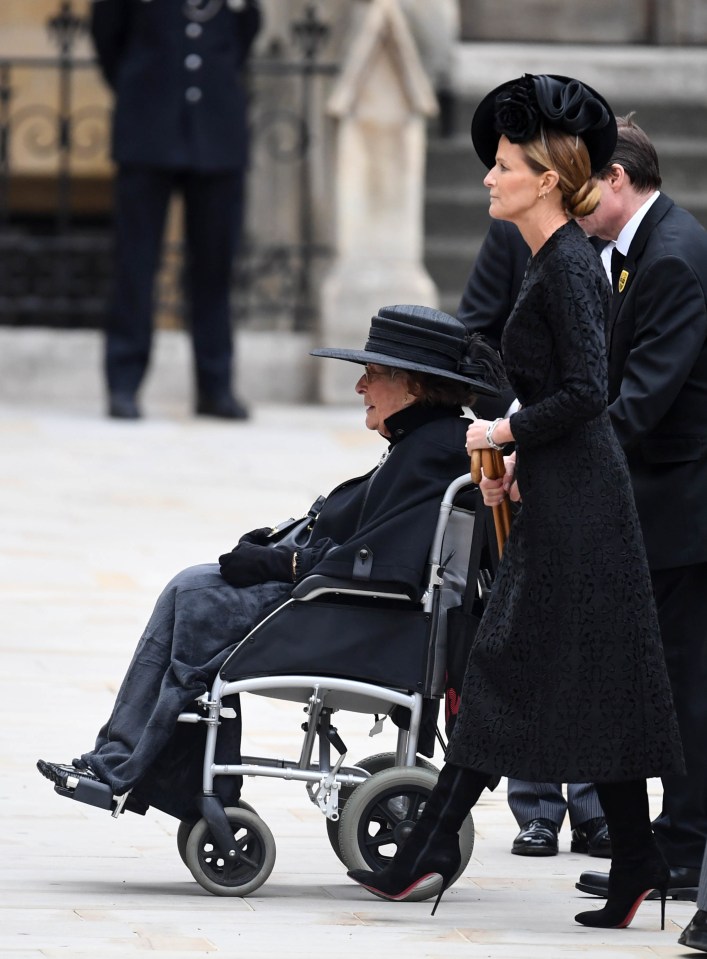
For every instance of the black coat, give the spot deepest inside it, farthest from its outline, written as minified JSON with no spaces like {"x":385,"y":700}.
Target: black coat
{"x":392,"y":511}
{"x":566,"y":679}
{"x":199,"y":618}
{"x":180,"y":102}
{"x":657,"y":343}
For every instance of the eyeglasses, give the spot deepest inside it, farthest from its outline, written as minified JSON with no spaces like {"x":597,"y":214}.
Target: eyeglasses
{"x":370,"y":373}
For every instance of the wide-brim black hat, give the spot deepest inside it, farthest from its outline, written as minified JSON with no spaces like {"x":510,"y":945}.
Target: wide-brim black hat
{"x":428,"y":341}
{"x":518,"y":107}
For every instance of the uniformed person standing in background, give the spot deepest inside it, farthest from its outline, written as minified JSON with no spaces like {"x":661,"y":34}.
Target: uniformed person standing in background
{"x":175,"y":67}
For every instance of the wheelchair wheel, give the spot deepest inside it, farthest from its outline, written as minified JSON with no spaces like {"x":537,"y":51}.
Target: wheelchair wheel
{"x":186,"y":826}
{"x":380,"y":815}
{"x":252,"y":865}
{"x":372,"y":764}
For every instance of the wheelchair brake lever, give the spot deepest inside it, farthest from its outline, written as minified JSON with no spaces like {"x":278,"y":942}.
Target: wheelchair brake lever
{"x":332,"y":734}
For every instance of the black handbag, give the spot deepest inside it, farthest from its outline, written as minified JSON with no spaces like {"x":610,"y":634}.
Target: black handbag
{"x":463,"y":620}
{"x":296,"y":533}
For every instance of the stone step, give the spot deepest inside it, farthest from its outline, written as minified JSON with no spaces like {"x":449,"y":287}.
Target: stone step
{"x":449,"y":262}
{"x":458,"y":213}
{"x":456,"y":227}
{"x":662,"y":118}
{"x":664,"y":86}
{"x":683,"y":163}
{"x":627,"y":75}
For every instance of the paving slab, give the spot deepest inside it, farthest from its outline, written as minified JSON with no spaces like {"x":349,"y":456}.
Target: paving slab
{"x":96,"y":516}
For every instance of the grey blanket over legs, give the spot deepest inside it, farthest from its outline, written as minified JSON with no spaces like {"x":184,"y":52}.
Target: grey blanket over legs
{"x":198,"y":620}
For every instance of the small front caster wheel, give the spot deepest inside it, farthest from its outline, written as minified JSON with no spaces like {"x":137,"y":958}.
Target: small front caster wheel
{"x":247,"y":870}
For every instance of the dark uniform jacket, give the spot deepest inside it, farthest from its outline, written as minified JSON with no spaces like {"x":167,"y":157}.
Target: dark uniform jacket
{"x":657,"y":342}
{"x":176,"y":73}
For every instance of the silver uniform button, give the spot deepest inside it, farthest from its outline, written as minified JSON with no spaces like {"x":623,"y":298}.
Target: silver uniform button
{"x":193,"y":94}
{"x":193,"y":61}
{"x":193,"y":30}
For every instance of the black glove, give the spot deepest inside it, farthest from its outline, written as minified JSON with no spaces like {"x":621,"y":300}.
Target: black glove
{"x":250,"y":563}
{"x":258,"y":536}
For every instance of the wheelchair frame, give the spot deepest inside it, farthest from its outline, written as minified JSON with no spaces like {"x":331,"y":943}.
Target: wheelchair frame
{"x":222,"y":835}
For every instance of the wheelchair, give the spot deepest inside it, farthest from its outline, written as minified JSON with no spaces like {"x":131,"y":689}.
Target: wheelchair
{"x":336,"y":646}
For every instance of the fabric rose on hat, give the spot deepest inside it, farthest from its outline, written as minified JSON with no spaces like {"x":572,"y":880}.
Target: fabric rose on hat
{"x":569,"y":106}
{"x":517,"y":113}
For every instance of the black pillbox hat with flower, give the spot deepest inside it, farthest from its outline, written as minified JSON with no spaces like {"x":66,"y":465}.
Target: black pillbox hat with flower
{"x":520,"y":108}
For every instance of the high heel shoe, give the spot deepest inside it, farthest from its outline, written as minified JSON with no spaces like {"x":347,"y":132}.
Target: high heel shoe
{"x":629,"y":884}
{"x":420,"y":865}
{"x":430,"y":854}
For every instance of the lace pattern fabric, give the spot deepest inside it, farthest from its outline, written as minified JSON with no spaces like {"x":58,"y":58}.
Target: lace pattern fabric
{"x":566,"y":679}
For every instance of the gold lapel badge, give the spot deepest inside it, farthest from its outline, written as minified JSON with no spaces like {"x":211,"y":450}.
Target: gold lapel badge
{"x":622,"y":280}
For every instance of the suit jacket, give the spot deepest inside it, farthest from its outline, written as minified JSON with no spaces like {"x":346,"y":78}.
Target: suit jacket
{"x":490,"y":294}
{"x":657,"y":344}
{"x":180,"y":102}
{"x":493,"y":284}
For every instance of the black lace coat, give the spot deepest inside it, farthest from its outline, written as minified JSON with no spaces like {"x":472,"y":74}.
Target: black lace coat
{"x":566,"y":679}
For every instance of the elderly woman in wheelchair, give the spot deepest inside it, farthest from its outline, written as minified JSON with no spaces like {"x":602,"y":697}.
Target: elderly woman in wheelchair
{"x":307,"y":613}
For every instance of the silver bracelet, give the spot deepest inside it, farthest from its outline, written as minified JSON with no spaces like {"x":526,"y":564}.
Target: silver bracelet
{"x":489,"y":434}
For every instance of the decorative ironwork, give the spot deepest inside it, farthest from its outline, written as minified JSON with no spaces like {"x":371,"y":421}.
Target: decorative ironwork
{"x":65,"y":28}
{"x":310,"y":33}
{"x":56,"y":262}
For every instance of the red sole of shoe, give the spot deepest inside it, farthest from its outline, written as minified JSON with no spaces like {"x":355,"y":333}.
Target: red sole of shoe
{"x":632,"y":912}
{"x":431,"y":879}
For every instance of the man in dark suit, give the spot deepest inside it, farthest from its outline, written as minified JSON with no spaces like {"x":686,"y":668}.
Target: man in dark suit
{"x":657,"y":344}
{"x":539,"y":808}
{"x":179,"y":125}
{"x":490,"y":292}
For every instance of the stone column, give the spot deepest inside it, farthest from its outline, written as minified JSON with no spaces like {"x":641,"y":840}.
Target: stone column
{"x":380,"y":105}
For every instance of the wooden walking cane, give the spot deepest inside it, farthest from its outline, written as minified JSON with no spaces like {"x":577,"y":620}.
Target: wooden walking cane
{"x":491,"y":461}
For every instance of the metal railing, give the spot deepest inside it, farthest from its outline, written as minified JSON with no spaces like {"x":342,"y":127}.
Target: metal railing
{"x":55,"y":211}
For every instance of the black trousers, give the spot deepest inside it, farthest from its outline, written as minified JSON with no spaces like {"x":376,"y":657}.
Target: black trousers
{"x":213,"y":213}
{"x":681,"y":597}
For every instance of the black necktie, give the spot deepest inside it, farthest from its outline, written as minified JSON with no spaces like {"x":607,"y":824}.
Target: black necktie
{"x":617,"y":265}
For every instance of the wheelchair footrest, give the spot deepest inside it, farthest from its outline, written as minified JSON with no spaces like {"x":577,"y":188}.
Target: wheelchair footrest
{"x":94,"y":793}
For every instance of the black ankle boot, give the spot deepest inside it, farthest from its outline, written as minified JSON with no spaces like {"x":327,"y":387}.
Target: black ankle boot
{"x":637,"y":865}
{"x":629,"y":884}
{"x":431,"y":851}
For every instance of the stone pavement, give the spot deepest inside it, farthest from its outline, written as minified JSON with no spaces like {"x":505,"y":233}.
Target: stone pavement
{"x":96,"y":516}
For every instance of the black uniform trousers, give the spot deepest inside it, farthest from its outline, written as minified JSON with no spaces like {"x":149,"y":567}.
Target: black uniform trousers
{"x":213,"y":214}
{"x":681,"y":598}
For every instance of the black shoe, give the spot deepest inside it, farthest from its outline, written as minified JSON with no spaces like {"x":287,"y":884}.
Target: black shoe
{"x":592,"y":838}
{"x":682,"y":884}
{"x":123,"y":406}
{"x":223,"y":405}
{"x":629,"y":884}
{"x":536,"y":838}
{"x":420,"y":866}
{"x":64,"y":775}
{"x":695,"y":932}
{"x":429,"y":859}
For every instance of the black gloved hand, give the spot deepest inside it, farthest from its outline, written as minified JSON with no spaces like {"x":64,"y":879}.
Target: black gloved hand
{"x":258,"y":536}
{"x":250,"y":563}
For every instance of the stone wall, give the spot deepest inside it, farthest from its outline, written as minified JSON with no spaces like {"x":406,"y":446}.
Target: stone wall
{"x":577,"y":21}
